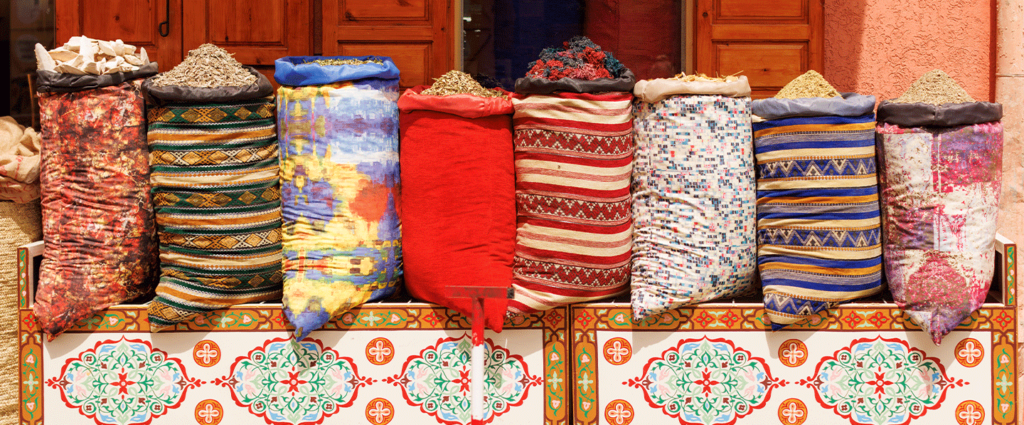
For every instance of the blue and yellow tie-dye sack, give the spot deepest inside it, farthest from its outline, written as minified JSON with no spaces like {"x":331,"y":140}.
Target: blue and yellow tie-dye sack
{"x":339,"y":189}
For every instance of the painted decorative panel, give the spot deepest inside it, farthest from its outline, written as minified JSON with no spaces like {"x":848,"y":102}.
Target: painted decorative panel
{"x":720,"y":365}
{"x":408,"y":363}
{"x":858,"y":364}
{"x":387,"y":363}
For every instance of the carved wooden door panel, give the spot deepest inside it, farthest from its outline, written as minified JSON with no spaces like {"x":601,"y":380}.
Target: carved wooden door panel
{"x":416,"y":34}
{"x":137,"y":22}
{"x":771,"y":42}
{"x":257,"y":32}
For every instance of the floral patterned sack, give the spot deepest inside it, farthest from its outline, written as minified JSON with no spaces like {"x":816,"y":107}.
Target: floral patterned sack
{"x":98,"y":222}
{"x":940,"y":190}
{"x":339,"y":192}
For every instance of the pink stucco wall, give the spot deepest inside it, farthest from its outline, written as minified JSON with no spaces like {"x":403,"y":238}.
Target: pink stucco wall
{"x":880,"y":47}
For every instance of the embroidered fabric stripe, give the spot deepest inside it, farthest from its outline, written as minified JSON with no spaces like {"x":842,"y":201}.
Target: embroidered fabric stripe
{"x":818,"y":223}
{"x":607,"y":114}
{"x":573,"y":159}
{"x":218,"y":208}
{"x":694,"y":202}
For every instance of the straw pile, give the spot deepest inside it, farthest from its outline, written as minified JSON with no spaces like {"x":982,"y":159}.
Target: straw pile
{"x":810,"y":84}
{"x":936,"y":88}
{"x":458,"y":82}
{"x":208,"y":66}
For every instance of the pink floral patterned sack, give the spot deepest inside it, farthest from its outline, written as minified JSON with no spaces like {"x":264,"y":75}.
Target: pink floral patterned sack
{"x":940,"y":200}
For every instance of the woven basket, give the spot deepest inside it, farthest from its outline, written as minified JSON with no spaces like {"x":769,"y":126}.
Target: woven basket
{"x":19,"y":224}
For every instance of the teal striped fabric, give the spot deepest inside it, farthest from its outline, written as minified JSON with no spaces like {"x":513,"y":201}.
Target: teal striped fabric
{"x":216,"y":191}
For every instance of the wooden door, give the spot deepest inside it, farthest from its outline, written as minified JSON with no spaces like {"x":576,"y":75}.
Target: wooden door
{"x":416,"y":34}
{"x":770,"y":42}
{"x":136,"y":22}
{"x":257,"y":32}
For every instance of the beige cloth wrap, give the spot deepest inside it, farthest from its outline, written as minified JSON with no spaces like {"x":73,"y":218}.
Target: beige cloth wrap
{"x":19,"y":162}
{"x":652,"y":91}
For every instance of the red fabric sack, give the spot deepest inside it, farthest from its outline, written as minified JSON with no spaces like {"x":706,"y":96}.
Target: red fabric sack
{"x":458,"y":197}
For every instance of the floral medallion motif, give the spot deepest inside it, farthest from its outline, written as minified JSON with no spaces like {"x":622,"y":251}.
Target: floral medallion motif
{"x":792,"y":411}
{"x":617,"y":351}
{"x":123,"y":382}
{"x":206,"y":353}
{"x":880,"y":381}
{"x":706,"y":381}
{"x":380,"y":351}
{"x":209,"y":412}
{"x":969,"y":352}
{"x":970,"y":412}
{"x":619,"y":412}
{"x":437,"y":380}
{"x":287,"y":382}
{"x":793,"y":353}
{"x":379,"y":411}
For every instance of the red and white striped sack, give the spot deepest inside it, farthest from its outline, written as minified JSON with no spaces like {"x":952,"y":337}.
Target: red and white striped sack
{"x":574,"y":227}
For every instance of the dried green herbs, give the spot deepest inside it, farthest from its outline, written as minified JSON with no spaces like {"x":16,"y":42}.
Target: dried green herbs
{"x":458,"y":82}
{"x":935,"y":87}
{"x":207,"y":66}
{"x":810,"y":84}
{"x":339,"y":62}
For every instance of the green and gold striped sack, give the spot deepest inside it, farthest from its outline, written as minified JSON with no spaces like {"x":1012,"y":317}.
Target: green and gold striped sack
{"x":216,"y":192}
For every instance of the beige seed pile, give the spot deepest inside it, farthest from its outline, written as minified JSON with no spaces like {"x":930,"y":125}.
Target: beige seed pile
{"x":701,"y":77}
{"x":339,"y":62}
{"x":208,"y":66}
{"x":810,"y":84}
{"x":458,"y":82}
{"x":935,"y":87}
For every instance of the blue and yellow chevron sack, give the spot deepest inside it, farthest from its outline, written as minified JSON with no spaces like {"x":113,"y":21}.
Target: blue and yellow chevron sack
{"x":818,"y":223}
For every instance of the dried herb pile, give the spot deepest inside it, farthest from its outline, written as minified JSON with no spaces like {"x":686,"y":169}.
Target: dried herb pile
{"x":458,"y":82}
{"x":339,"y":62}
{"x":935,"y":87}
{"x":207,"y":66}
{"x":810,"y":84}
{"x":578,"y":58}
{"x":704,"y":78}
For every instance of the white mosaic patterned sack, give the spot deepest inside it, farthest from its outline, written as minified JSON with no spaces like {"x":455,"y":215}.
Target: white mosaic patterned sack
{"x":693,"y":202}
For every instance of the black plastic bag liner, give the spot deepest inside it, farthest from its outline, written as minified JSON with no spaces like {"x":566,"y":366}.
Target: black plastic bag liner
{"x":56,"y":82}
{"x":624,"y":83}
{"x":947,"y":115}
{"x":849,"y":105}
{"x":182,"y":94}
